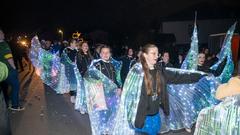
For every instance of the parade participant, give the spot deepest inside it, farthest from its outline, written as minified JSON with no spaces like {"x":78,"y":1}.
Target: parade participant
{"x":84,"y":58}
{"x":127,"y":62}
{"x":222,"y":119}
{"x":69,"y":57}
{"x":143,"y":91}
{"x":96,"y":54}
{"x":103,"y":88}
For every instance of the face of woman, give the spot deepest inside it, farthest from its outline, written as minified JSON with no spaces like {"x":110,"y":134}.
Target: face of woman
{"x":85,"y":47}
{"x":151,"y":56}
{"x":201,"y":59}
{"x":105,"y":54}
{"x":73,"y":44}
{"x":166,"y":57}
{"x":180,"y":57}
{"x":130,"y":52}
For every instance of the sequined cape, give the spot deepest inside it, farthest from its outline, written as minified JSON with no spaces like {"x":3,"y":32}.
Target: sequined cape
{"x":226,"y":52}
{"x":187,"y":100}
{"x":222,"y":119}
{"x":80,"y":102}
{"x":51,"y":67}
{"x":100,"y":88}
{"x":47,"y":65}
{"x":130,"y":97}
{"x":191,"y":60}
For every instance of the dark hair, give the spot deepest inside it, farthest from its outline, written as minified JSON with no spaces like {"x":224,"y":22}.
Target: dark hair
{"x":72,"y":40}
{"x":88,"y":52}
{"x":165,"y":52}
{"x":147,"y":76}
{"x":104,"y":46}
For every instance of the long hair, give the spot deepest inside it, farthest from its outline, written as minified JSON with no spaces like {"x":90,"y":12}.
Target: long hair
{"x":88,"y":52}
{"x":147,"y":76}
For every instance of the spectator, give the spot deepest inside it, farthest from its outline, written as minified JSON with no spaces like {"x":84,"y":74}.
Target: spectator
{"x":179,"y":62}
{"x":12,"y":79}
{"x":166,"y":60}
{"x":4,"y":121}
{"x":201,"y":63}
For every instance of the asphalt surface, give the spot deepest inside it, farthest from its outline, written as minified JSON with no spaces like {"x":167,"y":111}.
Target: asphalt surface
{"x":47,"y":113}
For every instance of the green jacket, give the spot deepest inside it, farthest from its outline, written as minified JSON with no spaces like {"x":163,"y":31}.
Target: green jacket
{"x":3,"y":71}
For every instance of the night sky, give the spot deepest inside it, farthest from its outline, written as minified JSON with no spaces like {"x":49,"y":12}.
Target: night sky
{"x":114,"y":16}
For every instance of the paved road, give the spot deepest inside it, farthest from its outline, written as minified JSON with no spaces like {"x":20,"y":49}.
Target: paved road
{"x":47,"y":113}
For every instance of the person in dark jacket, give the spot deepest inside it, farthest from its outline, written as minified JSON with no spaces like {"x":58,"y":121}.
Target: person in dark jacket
{"x":127,"y":62}
{"x":179,"y":62}
{"x":71,"y":54}
{"x":105,"y":65}
{"x":201,"y":63}
{"x":148,"y":80}
{"x":203,"y":67}
{"x":7,"y":58}
{"x":166,"y":60}
{"x":84,"y":58}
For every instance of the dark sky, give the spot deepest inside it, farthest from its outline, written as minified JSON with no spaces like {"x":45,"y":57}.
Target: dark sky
{"x":117,"y":16}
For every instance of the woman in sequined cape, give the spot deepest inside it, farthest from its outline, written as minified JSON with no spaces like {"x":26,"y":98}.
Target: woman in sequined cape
{"x":71,"y":79}
{"x":83,"y":62}
{"x":102,"y":98}
{"x":127,"y":112}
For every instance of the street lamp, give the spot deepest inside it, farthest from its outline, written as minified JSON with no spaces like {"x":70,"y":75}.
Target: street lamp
{"x":61,"y":32}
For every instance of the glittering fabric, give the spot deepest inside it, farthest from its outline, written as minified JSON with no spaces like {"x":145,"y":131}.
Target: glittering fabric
{"x":117,"y":66}
{"x":222,"y":119}
{"x":102,"y":100}
{"x":74,"y":81}
{"x":191,"y":60}
{"x":69,"y":70}
{"x":127,"y":110}
{"x":47,"y":64}
{"x":63,"y":85}
{"x":226,"y":52}
{"x":34,"y":52}
{"x":187,"y":100}
{"x":52,"y":69}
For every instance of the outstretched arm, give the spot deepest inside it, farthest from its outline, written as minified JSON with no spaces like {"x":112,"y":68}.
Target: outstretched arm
{"x":181,"y":76}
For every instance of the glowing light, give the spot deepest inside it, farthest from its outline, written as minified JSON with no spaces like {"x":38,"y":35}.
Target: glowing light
{"x":76,"y":35}
{"x":23,"y":42}
{"x":60,"y":31}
